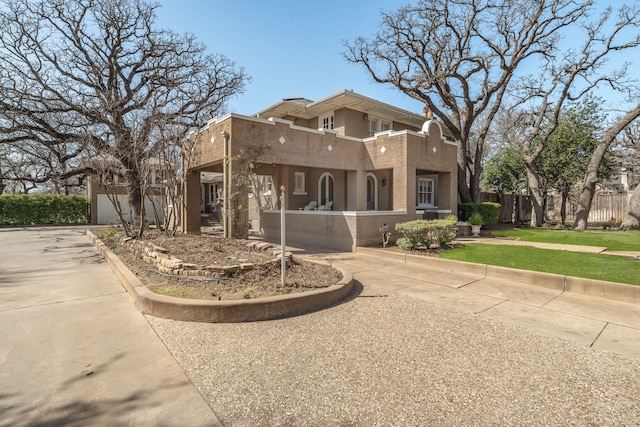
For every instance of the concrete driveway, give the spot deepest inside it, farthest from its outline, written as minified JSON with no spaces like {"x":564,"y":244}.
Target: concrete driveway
{"x":521,"y":299}
{"x":74,"y":349}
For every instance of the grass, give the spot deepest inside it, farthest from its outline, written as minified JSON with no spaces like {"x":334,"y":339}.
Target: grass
{"x":612,"y":240}
{"x":600,"y":267}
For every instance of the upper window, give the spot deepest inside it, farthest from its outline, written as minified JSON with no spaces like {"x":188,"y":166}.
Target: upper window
{"x":157,"y":177}
{"x":113,"y":179}
{"x":378,"y":125}
{"x":326,"y":121}
{"x":425,"y":192}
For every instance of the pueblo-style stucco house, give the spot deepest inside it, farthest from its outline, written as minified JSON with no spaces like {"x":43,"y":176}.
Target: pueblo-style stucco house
{"x":348,"y":164}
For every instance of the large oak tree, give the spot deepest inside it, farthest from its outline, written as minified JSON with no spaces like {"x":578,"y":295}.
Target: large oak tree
{"x":466,"y":59}
{"x":591,"y":174}
{"x":101,"y":74}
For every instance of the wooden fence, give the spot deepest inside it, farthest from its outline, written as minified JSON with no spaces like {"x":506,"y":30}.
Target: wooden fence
{"x":515,"y":208}
{"x":606,"y":207}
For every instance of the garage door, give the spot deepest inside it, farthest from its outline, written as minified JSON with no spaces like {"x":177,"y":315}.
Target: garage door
{"x":107,"y":213}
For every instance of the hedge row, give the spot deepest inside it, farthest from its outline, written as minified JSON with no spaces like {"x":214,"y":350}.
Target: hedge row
{"x":490,"y":211}
{"x":25,"y":209}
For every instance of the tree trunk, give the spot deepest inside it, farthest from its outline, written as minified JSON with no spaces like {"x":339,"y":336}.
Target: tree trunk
{"x":589,"y":187}
{"x":463,"y":188}
{"x":474,"y":186}
{"x":537,"y":211}
{"x":633,"y":211}
{"x":563,"y":207}
{"x":134,"y":198}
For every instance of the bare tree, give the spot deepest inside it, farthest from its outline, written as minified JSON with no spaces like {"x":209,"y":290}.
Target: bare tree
{"x":459,"y":57}
{"x":568,"y":77}
{"x":55,"y":167}
{"x":100,"y":74}
{"x":591,"y":175}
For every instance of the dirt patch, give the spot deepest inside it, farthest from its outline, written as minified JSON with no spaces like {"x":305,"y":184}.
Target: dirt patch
{"x":263,"y":280}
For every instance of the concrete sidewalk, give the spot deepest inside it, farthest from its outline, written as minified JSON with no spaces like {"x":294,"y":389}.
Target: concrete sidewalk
{"x":531,"y":303}
{"x":74,"y":349}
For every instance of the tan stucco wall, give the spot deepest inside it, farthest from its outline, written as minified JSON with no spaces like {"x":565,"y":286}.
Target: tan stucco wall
{"x":335,"y":230}
{"x":286,"y":148}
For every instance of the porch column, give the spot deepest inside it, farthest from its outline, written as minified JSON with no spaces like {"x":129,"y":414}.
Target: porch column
{"x":404,"y":189}
{"x":447,"y":192}
{"x":356,"y":190}
{"x":191,"y":213}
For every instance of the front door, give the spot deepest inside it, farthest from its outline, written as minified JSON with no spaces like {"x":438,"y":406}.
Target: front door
{"x":372,"y":192}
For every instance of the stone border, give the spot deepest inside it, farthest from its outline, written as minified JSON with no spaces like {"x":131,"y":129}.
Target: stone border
{"x":231,"y":311}
{"x":168,"y":264}
{"x":621,"y":292}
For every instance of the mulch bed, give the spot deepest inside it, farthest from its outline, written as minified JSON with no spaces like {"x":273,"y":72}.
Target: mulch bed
{"x":262,"y":281}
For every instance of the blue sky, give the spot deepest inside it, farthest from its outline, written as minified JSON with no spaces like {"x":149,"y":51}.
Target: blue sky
{"x":290,"y":48}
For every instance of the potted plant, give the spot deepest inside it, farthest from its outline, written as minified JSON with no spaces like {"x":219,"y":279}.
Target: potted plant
{"x":476,"y":222}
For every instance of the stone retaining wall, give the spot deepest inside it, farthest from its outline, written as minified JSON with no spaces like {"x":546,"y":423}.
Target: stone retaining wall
{"x":193,"y":310}
{"x":159,"y":257}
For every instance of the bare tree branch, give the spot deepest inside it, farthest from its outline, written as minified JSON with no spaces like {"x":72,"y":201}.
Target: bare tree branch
{"x":465,"y":58}
{"x":101,"y":75}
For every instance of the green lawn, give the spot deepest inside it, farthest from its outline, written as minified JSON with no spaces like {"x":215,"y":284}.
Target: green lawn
{"x":612,"y":240}
{"x":601,"y":267}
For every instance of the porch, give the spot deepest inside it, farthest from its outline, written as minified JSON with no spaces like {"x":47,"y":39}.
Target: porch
{"x":340,"y":230}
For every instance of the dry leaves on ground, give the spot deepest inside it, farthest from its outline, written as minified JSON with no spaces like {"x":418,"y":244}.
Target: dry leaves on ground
{"x":263,"y":280}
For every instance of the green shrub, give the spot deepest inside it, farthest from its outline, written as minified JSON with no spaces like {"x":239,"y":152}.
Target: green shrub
{"x":452,"y":218}
{"x":412,"y":232}
{"x":425,"y":233}
{"x":475,"y":219}
{"x":24,"y":209}
{"x":490,"y":211}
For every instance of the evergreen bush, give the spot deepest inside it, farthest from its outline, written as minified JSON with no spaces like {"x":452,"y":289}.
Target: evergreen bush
{"x":490,"y":211}
{"x":26,"y":209}
{"x":425,"y":233}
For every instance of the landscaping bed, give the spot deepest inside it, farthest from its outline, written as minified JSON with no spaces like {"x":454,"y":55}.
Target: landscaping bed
{"x":215,"y":263}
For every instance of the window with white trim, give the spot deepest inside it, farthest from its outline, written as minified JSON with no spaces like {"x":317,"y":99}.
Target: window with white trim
{"x":299,"y":183}
{"x":372,"y":192}
{"x":156,"y":177}
{"x":426,"y":195}
{"x":117,"y":179}
{"x":325,"y":189}
{"x":268,"y":186}
{"x":378,"y":125}
{"x":213,"y":193}
{"x":326,"y":121}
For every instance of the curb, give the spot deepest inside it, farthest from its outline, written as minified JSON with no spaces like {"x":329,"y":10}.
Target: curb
{"x":621,"y":292}
{"x":232,"y":311}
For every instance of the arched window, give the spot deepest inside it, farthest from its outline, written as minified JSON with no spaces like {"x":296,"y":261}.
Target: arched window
{"x":325,"y":189}
{"x":372,"y":192}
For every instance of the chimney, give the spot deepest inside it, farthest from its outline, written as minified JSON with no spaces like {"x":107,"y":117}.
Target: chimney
{"x":426,"y":111}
